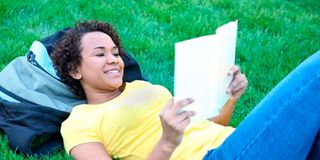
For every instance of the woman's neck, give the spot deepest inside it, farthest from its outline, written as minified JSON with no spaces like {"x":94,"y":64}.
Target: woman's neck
{"x":98,"y":97}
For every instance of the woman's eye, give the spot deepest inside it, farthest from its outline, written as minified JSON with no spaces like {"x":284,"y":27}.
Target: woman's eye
{"x":100,"y":54}
{"x":116,"y":54}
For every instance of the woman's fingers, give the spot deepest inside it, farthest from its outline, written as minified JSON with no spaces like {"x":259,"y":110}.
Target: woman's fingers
{"x":241,"y":86}
{"x":234,"y":72}
{"x":172,"y":115}
{"x":234,"y":69}
{"x":169,"y":104}
{"x":183,"y":124}
{"x":174,"y":121}
{"x":238,"y":84}
{"x":181,"y":120}
{"x":172,"y":108}
{"x":237,"y":81}
{"x":182,"y":103}
{"x":182,"y":116}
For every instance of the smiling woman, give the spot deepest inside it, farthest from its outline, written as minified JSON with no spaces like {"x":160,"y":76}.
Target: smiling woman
{"x":101,"y":69}
{"x":139,"y":120}
{"x":88,"y":59}
{"x":274,"y":37}
{"x":110,"y":45}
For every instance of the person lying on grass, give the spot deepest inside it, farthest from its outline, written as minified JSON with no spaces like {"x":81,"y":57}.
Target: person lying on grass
{"x":139,"y":120}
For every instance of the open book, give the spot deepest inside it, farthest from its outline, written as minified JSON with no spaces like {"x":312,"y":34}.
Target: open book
{"x":201,"y":70}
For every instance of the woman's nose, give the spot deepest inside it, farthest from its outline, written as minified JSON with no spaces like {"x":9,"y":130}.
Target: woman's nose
{"x":111,"y":59}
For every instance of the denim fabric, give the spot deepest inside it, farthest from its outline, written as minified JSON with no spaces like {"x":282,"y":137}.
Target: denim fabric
{"x":284,"y":125}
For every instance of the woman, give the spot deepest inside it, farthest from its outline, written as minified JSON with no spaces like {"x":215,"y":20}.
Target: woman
{"x":121,"y":120}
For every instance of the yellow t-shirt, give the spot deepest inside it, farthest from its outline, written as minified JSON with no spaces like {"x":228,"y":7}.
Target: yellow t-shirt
{"x":129,"y":125}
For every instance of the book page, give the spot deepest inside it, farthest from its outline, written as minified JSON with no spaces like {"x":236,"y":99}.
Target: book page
{"x":201,"y":71}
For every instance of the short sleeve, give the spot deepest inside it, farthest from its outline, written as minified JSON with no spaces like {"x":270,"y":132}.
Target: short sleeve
{"x":78,"y":130}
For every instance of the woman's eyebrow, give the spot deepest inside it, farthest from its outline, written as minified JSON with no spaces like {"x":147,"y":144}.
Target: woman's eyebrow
{"x":99,"y":47}
{"x":103,"y":48}
{"x":114,"y":48}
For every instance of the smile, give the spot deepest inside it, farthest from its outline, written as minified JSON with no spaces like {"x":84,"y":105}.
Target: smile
{"x":114,"y":71}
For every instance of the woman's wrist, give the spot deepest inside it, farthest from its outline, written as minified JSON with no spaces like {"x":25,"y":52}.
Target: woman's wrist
{"x":167,"y":146}
{"x":233,"y":100}
{"x":163,"y":150}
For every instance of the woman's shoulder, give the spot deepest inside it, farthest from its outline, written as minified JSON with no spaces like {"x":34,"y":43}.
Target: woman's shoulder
{"x":139,"y":84}
{"x":83,"y":113}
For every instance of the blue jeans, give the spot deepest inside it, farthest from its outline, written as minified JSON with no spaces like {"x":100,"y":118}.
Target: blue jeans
{"x":284,"y":125}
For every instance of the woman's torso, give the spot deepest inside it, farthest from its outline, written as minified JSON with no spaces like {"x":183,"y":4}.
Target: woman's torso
{"x":129,"y":126}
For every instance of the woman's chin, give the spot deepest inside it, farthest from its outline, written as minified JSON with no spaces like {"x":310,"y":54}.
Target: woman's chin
{"x":117,"y":85}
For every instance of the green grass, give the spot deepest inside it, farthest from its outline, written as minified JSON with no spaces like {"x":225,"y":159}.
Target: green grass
{"x":274,"y":36}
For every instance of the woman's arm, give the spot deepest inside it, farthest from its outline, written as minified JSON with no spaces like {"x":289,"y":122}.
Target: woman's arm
{"x":226,"y":113}
{"x":88,"y":151}
{"x":237,"y":87}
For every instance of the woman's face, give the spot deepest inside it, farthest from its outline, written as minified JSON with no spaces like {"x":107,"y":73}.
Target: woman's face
{"x":101,"y":66}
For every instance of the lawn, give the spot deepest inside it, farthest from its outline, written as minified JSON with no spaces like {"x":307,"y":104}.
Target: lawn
{"x":274,"y":36}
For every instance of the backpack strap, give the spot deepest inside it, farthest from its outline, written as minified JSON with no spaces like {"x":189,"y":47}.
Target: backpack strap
{"x":11,"y":97}
{"x":51,"y":40}
{"x":39,"y":57}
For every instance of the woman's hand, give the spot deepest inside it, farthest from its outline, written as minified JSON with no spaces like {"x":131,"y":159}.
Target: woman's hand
{"x":238,"y":84}
{"x":237,"y":87}
{"x":174,"y":122}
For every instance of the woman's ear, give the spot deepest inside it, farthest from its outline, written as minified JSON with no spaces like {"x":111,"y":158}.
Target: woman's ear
{"x":75,"y":74}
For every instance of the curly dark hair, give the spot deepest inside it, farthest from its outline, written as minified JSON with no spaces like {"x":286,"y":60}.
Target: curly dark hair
{"x":66,"y":55}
